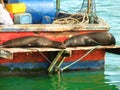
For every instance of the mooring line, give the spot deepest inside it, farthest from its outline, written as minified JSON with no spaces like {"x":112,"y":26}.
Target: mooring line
{"x":57,"y":67}
{"x":78,"y":59}
{"x":71,"y":63}
{"x":41,"y":54}
{"x":45,"y":57}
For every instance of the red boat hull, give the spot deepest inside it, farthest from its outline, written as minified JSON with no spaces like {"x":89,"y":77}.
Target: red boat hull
{"x":35,"y":60}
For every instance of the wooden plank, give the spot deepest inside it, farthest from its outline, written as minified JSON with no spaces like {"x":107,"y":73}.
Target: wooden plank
{"x":54,"y":27}
{"x":16,"y":50}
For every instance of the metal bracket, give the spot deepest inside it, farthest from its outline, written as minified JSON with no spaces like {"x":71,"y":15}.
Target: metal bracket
{"x":52,"y":65}
{"x":57,"y":62}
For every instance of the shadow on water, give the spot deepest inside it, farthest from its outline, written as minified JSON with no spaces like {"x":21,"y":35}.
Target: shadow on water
{"x":80,"y":80}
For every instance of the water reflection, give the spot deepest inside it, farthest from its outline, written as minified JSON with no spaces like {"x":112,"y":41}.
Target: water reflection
{"x":112,"y":70}
{"x":81,"y":81}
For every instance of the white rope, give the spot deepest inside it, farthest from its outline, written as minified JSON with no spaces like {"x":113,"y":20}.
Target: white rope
{"x":79,"y":59}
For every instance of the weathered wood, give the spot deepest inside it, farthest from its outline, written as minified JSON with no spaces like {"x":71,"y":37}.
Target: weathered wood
{"x":52,"y":65}
{"x":54,"y":27}
{"x":17,"y":50}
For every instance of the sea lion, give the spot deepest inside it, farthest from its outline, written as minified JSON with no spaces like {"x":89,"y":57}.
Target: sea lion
{"x":113,"y":50}
{"x":33,"y":41}
{"x":90,"y":39}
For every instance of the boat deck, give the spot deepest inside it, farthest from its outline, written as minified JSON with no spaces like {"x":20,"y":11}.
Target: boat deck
{"x":55,"y":27}
{"x":46,"y":49}
{"x":9,"y":52}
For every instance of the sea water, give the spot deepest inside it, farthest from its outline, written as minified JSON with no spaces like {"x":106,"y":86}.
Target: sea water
{"x":108,"y":79}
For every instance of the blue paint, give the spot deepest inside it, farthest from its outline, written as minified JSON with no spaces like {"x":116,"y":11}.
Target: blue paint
{"x":43,"y":11}
{"x":22,"y":18}
{"x":45,"y":65}
{"x":26,"y":65}
{"x":85,"y":65}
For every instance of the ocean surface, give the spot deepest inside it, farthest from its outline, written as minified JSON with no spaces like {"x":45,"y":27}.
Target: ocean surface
{"x":109,"y":79}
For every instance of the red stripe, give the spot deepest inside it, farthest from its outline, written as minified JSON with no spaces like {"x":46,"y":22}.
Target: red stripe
{"x":93,"y":56}
{"x":25,"y":57}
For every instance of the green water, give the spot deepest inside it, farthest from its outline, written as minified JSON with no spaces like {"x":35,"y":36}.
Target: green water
{"x":109,"y":79}
{"x":67,"y":81}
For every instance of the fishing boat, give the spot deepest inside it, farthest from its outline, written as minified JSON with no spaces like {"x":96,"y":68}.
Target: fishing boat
{"x":50,"y":23}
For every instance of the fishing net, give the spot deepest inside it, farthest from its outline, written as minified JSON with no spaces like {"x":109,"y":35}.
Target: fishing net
{"x":81,"y":17}
{"x":72,"y":19}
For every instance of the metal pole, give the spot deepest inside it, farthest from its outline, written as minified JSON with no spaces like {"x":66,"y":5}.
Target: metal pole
{"x":90,"y":11}
{"x":58,"y":5}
